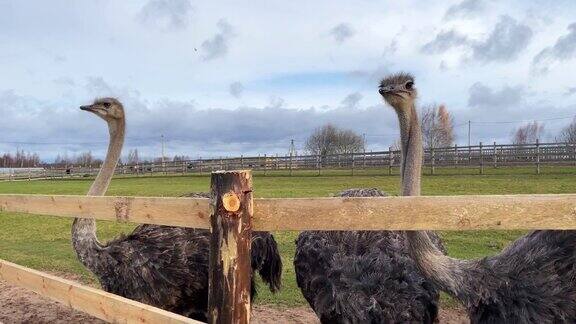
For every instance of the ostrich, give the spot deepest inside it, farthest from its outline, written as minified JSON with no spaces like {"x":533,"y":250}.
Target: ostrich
{"x":533,"y":280}
{"x":363,"y":276}
{"x":162,"y":266}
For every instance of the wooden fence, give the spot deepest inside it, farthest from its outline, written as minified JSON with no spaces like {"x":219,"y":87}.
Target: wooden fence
{"x":232,"y":213}
{"x":479,"y":156}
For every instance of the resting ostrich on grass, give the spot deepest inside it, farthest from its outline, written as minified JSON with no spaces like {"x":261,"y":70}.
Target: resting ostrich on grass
{"x":162,"y":266}
{"x":363,"y":276}
{"x":533,"y":280}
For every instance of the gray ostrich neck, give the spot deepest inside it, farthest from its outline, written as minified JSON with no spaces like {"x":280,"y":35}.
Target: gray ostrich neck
{"x":84,"y":238}
{"x":445,"y":272}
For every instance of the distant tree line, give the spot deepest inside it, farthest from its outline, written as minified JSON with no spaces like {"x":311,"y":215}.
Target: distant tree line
{"x":19,"y":160}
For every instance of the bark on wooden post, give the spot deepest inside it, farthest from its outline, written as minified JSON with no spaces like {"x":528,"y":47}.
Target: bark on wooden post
{"x":230,"y":263}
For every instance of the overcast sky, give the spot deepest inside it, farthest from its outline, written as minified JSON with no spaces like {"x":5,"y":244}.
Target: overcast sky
{"x":222,"y":78}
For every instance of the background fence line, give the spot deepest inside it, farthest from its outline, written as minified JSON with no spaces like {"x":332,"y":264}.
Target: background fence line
{"x":478,"y":156}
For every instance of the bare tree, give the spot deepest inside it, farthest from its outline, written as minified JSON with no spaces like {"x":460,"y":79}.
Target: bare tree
{"x":528,"y":133}
{"x":437,"y":126}
{"x":180,"y":158}
{"x":133,"y":157}
{"x":568,"y":134}
{"x":85,"y":159}
{"x":20,"y":159}
{"x":329,"y":139}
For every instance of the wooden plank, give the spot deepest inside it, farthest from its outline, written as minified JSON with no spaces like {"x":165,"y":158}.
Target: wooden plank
{"x":417,"y":213}
{"x":230,"y":243}
{"x":393,"y":213}
{"x":190,"y":212}
{"x":98,"y":303}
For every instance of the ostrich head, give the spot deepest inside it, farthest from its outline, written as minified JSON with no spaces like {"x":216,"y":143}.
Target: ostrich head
{"x":109,"y":109}
{"x":398,"y":91}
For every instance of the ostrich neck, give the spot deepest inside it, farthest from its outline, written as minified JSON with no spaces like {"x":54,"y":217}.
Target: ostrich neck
{"x":411,"y":146}
{"x":442,"y":270}
{"x":84,"y":238}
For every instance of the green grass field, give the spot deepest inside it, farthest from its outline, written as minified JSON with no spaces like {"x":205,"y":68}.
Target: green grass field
{"x":44,"y":242}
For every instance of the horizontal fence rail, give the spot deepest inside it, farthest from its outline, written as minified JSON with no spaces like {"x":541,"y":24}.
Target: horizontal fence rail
{"x":479,"y":156}
{"x":471,"y":212}
{"x":98,"y":303}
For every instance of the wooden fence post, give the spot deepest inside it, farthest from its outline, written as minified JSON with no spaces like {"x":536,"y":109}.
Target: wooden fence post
{"x":265,"y":164}
{"x":574,"y":153}
{"x":433,"y":158}
{"x":230,"y":263}
{"x":481,"y":159}
{"x":290,"y":164}
{"x":495,"y":157}
{"x":456,"y":157}
{"x":391,"y":160}
{"x":537,"y":156}
{"x":352,"y":154}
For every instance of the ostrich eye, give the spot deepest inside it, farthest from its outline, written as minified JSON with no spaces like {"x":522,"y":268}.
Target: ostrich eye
{"x":107,"y":104}
{"x":409,"y":85}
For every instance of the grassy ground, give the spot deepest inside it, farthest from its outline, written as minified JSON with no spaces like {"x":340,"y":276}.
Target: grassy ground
{"x":44,"y":242}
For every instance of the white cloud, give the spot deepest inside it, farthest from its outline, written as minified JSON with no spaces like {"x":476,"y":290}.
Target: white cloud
{"x":217,"y":45}
{"x":166,"y":14}
{"x":342,"y":32}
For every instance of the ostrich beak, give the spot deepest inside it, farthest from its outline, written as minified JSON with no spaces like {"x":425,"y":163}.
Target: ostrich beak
{"x":386,"y":90}
{"x":87,"y":108}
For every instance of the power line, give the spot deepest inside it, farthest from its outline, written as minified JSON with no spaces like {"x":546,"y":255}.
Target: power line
{"x":521,"y":121}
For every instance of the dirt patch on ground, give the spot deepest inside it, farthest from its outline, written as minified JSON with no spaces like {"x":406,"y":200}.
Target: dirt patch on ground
{"x":305,"y":315}
{"x":18,"y":305}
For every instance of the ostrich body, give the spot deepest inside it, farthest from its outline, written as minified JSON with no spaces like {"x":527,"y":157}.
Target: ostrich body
{"x":363,"y":276}
{"x":163,"y":266}
{"x":533,"y":280}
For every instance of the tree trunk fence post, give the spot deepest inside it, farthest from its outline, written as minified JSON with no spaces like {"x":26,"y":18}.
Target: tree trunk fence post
{"x":432,"y":160}
{"x":481,"y":158}
{"x":537,"y":156}
{"x":230,"y":242}
{"x":495,"y":156}
{"x":390,"y":160}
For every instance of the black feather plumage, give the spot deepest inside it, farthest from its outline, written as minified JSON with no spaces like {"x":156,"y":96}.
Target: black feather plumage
{"x":167,"y":267}
{"x":363,"y":276}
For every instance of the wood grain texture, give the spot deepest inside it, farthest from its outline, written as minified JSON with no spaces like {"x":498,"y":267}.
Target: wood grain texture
{"x":188,"y":212}
{"x":98,"y":303}
{"x":418,"y":213}
{"x":230,"y":244}
{"x":270,"y":214}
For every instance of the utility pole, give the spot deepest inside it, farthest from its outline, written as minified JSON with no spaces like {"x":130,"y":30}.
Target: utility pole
{"x":469,"y":128}
{"x":292,"y":150}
